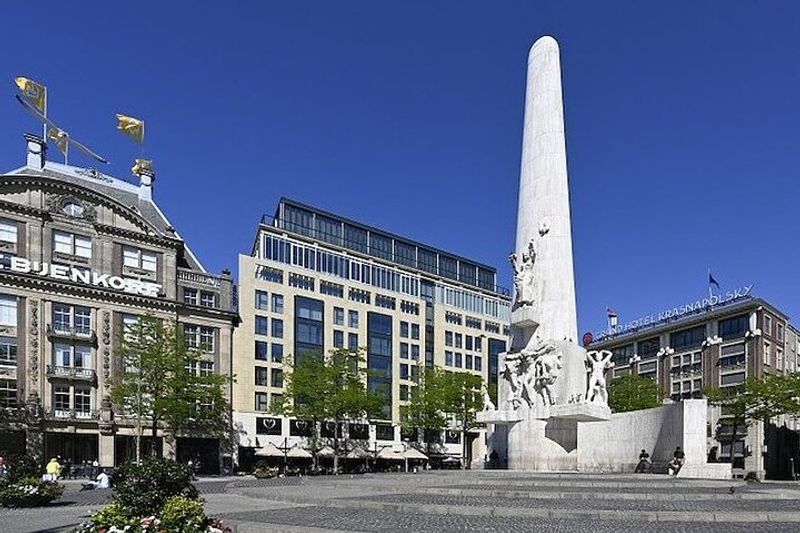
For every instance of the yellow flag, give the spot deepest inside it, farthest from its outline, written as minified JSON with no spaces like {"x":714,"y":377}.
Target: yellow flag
{"x":35,"y":93}
{"x":60,"y":138}
{"x":132,"y":127}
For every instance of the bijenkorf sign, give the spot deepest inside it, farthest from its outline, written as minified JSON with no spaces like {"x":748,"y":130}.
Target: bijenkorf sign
{"x":77,"y":275}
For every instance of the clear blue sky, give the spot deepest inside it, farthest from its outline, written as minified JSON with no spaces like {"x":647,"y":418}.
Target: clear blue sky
{"x":682,"y":125}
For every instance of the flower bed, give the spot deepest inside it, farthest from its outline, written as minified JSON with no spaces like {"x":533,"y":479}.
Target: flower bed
{"x":30,"y":492}
{"x":156,"y":496}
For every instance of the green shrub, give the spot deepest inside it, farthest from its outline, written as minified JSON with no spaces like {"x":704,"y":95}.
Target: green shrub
{"x":19,"y":466}
{"x":30,"y":492}
{"x":113,"y":515}
{"x":141,"y":490}
{"x":265,"y":472}
{"x":183,"y":515}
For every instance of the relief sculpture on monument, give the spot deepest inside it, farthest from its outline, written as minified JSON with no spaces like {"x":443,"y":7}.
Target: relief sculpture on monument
{"x":531,"y":374}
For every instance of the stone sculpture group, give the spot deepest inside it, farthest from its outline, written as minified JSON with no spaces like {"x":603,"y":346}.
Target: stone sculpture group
{"x":531,"y":374}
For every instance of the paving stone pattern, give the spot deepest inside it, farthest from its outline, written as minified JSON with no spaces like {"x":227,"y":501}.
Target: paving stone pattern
{"x":465,"y":501}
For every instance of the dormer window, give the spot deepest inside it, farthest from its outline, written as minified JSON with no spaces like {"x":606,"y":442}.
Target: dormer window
{"x":72,"y":209}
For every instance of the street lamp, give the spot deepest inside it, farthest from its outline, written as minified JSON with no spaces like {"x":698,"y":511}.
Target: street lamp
{"x":405,"y":454}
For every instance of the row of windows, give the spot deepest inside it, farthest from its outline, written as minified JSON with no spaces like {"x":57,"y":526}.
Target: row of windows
{"x":265,"y":302}
{"x":409,"y":330}
{"x":262,"y":400}
{"x":197,"y":297}
{"x":338,"y":317}
{"x":269,"y":351}
{"x":338,"y":340}
{"x":473,"y":302}
{"x":72,"y":398}
{"x":385,"y":247}
{"x":295,"y":253}
{"x":269,"y":377}
{"x":468,"y":342}
{"x":409,"y":351}
{"x":467,"y":361}
{"x":76,"y":245}
{"x":200,"y":337}
{"x":409,"y":372}
{"x":263,"y":326}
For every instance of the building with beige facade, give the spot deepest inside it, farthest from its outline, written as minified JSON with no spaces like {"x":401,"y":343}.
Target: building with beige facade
{"x":316,"y":281}
{"x":82,"y":254}
{"x":719,"y":341}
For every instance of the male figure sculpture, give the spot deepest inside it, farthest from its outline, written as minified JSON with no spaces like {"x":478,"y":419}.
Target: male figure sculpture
{"x":597,"y":362}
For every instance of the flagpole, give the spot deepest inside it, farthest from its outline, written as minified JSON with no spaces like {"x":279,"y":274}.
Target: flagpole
{"x":44,"y":126}
{"x":710,"y":294}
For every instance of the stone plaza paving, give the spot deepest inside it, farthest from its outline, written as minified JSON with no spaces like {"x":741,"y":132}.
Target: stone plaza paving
{"x":441,"y":501}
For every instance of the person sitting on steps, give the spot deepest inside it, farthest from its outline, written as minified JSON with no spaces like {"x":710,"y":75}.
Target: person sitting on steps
{"x":645,"y":466}
{"x":678,"y":459}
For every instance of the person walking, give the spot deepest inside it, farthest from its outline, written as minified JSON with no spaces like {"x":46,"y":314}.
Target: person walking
{"x":52,"y":470}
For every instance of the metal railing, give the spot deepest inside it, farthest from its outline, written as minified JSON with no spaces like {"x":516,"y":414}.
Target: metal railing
{"x":199,"y":277}
{"x":70,"y":372}
{"x":71,"y":414}
{"x":72,"y":332}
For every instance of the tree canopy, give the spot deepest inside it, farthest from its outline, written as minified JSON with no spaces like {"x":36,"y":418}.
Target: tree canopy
{"x":329,"y":388}
{"x":632,"y":392}
{"x":162,"y":383}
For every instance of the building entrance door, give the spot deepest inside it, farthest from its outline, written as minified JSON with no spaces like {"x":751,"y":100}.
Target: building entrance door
{"x":204,"y":454}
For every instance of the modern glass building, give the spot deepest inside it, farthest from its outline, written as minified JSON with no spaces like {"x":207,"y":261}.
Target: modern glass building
{"x":316,"y":281}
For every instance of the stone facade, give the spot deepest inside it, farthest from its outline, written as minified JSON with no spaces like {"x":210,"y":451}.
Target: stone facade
{"x":717,"y":347}
{"x":81,"y":252}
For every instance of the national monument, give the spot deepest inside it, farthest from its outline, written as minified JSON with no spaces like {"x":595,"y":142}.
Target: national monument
{"x":552,"y":411}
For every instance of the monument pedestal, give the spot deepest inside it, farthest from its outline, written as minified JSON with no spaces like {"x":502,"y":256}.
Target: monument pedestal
{"x":543,"y":445}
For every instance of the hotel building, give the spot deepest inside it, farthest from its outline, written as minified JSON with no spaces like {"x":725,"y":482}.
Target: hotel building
{"x":316,"y":281}
{"x":721,"y":346}
{"x":83,"y":253}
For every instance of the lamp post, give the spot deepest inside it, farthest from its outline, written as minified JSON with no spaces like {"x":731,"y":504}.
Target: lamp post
{"x":285,"y":453}
{"x":405,"y":454}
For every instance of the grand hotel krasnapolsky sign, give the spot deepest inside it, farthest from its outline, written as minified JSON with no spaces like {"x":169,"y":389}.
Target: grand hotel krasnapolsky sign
{"x":698,"y":306}
{"x":77,"y":275}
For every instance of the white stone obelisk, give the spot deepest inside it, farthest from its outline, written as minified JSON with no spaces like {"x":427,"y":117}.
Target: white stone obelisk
{"x":543,"y":214}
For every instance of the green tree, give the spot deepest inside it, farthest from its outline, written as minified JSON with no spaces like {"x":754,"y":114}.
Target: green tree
{"x":428,"y":402}
{"x":329,"y":388}
{"x":758,"y":399}
{"x":632,"y":392}
{"x":160,"y":383}
{"x":463,"y":401}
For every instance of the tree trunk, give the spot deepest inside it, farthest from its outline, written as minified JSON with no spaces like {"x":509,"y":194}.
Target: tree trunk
{"x":154,"y":428}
